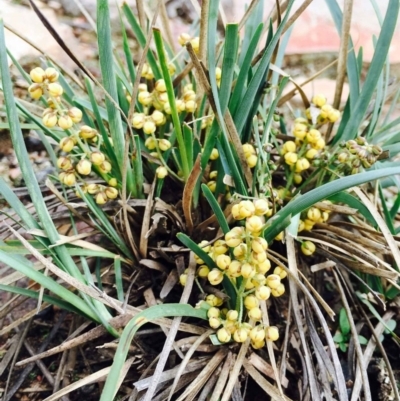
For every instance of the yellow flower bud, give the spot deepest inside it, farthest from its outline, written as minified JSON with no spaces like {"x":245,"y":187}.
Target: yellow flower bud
{"x":67,"y":144}
{"x":246,"y":209}
{"x":258,"y":344}
{"x":255,"y":314}
{"x":215,"y":277}
{"x":325,"y":110}
{"x":233,"y":238}
{"x":218,"y":73}
{"x":313,"y":136}
{"x":183,"y":38}
{"x":301,"y":165}
{"x":333,"y":115}
{"x":180,"y":105}
{"x":145,"y":98}
{"x":273,"y":280}
{"x":257,"y":334}
{"x":262,"y":292}
{"x":291,"y":158}
{"x":51,"y":74}
{"x":112,"y":182}
{"x":235,"y":268}
{"x":280,"y":272}
{"x":308,"y":224}
{"x":240,"y":335}
{"x":75,"y":114}
{"x":223,"y":335}
{"x":160,"y":86}
{"x":213,"y":300}
{"x":259,"y":245}
{"x":263,"y":267}
{"x":240,"y":251}
{"x":97,"y":157}
{"x":105,"y":167}
{"x":161,"y":172}
{"x":112,"y":193}
{"x":252,"y":161}
{"x":297,"y":179}
{"x":37,"y":75}
{"x":214,"y":154}
{"x":35,"y":90}
{"x":101,"y":198}
{"x":55,"y":89}
{"x":87,"y":132}
{"x":205,"y":246}
{"x":232,"y":315}
{"x":261,"y":207}
{"x":203,"y":271}
{"x":254,"y":224}
{"x":183,"y":279}
{"x":92,"y":189}
{"x":248,"y":150}
{"x":213,"y":175}
{"x":190,"y":106}
{"x":247,"y":270}
{"x":69,"y":179}
{"x":195,"y":42}
{"x":278,"y":291}
{"x":289,"y":146}
{"x":164,"y":144}
{"x":271,"y":333}
{"x":250,"y":302}
{"x":259,"y":257}
{"x":138,"y":120}
{"x":50,"y":120}
{"x":319,"y":144}
{"x":220,"y":247}
{"x":65,"y":122}
{"x":212,"y":185}
{"x":64,"y":163}
{"x":314,"y":214}
{"x":319,"y":100}
{"x":149,"y":127}
{"x":280,"y":236}
{"x":311,"y":153}
{"x":214,"y":322}
{"x":223,"y":261}
{"x":213,"y":312}
{"x":308,"y":248}
{"x":158,"y":118}
{"x":84,"y":167}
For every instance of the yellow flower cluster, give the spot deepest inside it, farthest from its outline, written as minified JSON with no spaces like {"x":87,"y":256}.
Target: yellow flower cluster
{"x":250,"y":154}
{"x":325,"y":113}
{"x":240,"y":332}
{"x":355,"y":154}
{"x":312,"y":216}
{"x":242,"y":254}
{"x":72,"y":166}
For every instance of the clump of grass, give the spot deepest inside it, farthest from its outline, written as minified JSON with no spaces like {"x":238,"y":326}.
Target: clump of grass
{"x":264,"y":194}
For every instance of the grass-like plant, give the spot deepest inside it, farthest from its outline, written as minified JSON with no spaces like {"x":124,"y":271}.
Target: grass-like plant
{"x":203,"y":139}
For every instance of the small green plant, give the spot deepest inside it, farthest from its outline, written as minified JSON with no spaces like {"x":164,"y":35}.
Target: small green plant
{"x":343,"y":334}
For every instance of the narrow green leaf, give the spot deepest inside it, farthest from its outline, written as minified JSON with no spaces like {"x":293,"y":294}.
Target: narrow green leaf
{"x":240,"y":85}
{"x":242,"y":114}
{"x":386,"y":213}
{"x":141,"y":38}
{"x":46,"y":298}
{"x":216,"y":208}
{"x":147,"y":316}
{"x":303,"y":202}
{"x":375,"y":69}
{"x":344,"y":322}
{"x":171,"y":99}
{"x":228,"y":64}
{"x":48,"y":283}
{"x":350,"y":200}
{"x":197,"y":250}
